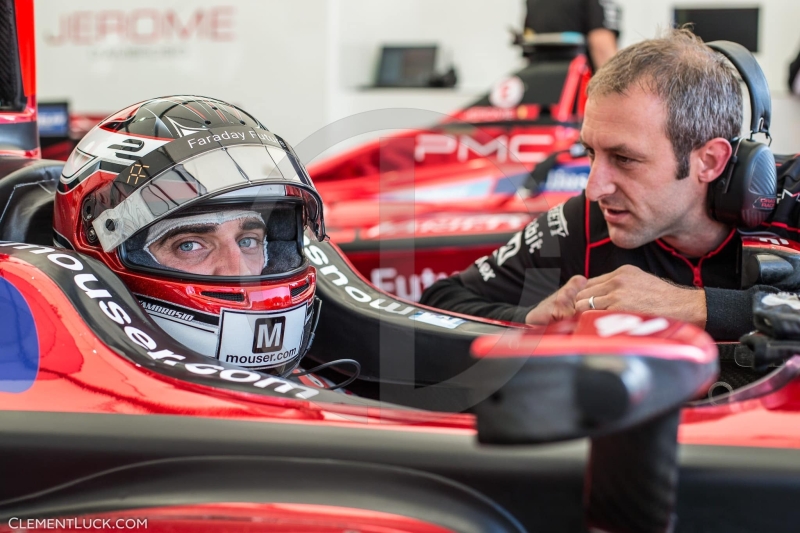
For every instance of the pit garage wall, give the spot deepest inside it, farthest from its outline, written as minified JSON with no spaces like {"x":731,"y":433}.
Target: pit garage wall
{"x":303,"y":64}
{"x":266,"y":56}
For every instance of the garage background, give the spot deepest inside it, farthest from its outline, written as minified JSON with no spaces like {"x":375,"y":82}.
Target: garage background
{"x":301,"y":65}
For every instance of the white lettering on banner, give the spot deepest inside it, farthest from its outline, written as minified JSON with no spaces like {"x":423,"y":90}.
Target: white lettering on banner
{"x":484,"y":268}
{"x":319,"y":258}
{"x":410,"y":288}
{"x":557,"y":222}
{"x":533,"y":237}
{"x":502,"y":146}
{"x":610,"y":325}
{"x":504,"y":253}
{"x":117,"y":314}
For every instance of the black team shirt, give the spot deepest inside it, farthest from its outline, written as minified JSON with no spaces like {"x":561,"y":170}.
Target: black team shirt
{"x":583,"y":16}
{"x":572,"y":239}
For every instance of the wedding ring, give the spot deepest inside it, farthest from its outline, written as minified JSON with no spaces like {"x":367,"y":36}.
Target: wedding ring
{"x":591,"y":302}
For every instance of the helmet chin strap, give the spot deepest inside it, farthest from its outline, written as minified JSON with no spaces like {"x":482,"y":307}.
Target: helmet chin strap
{"x":160,"y":228}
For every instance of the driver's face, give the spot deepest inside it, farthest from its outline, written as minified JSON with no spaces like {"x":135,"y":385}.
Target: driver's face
{"x":233,"y":248}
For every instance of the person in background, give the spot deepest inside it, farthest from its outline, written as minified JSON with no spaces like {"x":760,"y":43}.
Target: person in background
{"x":597,"y":20}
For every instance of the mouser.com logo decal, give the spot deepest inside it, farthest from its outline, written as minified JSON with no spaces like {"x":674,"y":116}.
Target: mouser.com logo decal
{"x":136,"y":332}
{"x":269,"y":334}
{"x":275,"y":340}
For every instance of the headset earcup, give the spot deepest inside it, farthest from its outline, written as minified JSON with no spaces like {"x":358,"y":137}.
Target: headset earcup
{"x":750,"y":196}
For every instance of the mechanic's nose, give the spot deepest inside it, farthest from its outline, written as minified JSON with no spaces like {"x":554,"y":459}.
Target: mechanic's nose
{"x":600,"y":182}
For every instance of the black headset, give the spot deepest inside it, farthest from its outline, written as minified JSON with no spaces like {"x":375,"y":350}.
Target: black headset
{"x":744,"y":195}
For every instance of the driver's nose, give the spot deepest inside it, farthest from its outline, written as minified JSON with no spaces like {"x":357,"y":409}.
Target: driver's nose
{"x":229,"y":261}
{"x":600,"y":182}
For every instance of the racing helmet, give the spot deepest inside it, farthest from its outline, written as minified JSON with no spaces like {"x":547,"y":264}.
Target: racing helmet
{"x":161,"y":191}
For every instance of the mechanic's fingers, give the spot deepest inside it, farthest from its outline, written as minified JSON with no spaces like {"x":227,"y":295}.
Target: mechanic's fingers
{"x":598,"y":290}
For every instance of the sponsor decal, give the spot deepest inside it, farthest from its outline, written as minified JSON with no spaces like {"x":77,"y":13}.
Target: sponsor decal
{"x":268,"y":336}
{"x":533,"y":237}
{"x":774,"y":240}
{"x":504,"y":253}
{"x":503,"y":147}
{"x":557,"y":222}
{"x":19,"y":357}
{"x":484,"y":268}
{"x":610,"y":325}
{"x":448,"y":225}
{"x":274,"y":339}
{"x":766,"y":203}
{"x":507,"y":93}
{"x":137,"y":334}
{"x":564,"y":180}
{"x":782,"y":298}
{"x":328,"y":271}
{"x":410,"y":288}
{"x":227,"y":135}
{"x":442,"y":321}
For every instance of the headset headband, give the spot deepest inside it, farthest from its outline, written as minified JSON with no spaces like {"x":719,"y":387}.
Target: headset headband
{"x":753,"y":76}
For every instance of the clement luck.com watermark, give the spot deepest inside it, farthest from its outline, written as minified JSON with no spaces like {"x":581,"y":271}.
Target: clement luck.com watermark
{"x":77,"y":523}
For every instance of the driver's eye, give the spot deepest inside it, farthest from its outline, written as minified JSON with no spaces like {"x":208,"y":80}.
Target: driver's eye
{"x":187,"y":246}
{"x":247,"y":242}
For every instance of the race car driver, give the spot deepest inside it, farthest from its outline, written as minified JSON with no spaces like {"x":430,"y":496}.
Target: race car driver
{"x":640,"y":238}
{"x":200,"y":211}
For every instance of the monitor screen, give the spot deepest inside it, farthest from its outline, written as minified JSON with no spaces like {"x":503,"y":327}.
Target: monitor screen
{"x":739,"y":25}
{"x":406,"y":66}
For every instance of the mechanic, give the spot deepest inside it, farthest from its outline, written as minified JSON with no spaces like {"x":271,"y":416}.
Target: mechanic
{"x":640,"y":238}
{"x":597,"y":20}
{"x":200,"y":211}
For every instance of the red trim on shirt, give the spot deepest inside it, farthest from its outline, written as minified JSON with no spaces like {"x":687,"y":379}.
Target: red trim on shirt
{"x":697,"y":273}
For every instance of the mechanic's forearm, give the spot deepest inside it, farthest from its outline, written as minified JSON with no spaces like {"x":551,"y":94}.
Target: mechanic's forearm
{"x":730,"y":312}
{"x":451,"y":295}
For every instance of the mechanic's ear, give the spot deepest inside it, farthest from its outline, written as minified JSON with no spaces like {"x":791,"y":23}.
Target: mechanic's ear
{"x":711,"y":159}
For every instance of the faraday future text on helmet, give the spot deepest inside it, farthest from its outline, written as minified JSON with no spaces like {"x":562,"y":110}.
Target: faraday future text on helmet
{"x":200,"y":166}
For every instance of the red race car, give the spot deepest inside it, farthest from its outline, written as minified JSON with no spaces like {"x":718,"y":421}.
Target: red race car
{"x":414,"y":207}
{"x":456,"y":424}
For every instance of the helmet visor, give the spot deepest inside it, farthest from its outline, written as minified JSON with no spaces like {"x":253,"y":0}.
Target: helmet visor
{"x":220,"y":172}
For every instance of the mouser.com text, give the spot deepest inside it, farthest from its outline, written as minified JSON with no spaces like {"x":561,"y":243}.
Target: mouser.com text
{"x":77,"y":523}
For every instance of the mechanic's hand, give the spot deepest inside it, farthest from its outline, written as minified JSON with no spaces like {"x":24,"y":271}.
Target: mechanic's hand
{"x":559,"y":305}
{"x":630,"y":289}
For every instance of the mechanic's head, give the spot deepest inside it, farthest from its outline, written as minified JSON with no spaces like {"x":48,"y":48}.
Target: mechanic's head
{"x":659,"y":119}
{"x":201,"y":212}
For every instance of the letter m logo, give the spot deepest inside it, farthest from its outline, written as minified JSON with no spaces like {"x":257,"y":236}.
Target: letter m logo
{"x":268,"y":334}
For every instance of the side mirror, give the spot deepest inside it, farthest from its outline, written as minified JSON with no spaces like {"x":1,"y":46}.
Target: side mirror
{"x":619,"y":380}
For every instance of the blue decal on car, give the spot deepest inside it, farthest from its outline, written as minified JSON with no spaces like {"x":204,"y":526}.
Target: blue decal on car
{"x":19,"y":354}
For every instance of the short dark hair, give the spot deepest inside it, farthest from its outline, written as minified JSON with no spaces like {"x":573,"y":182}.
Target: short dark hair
{"x":700,"y":88}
